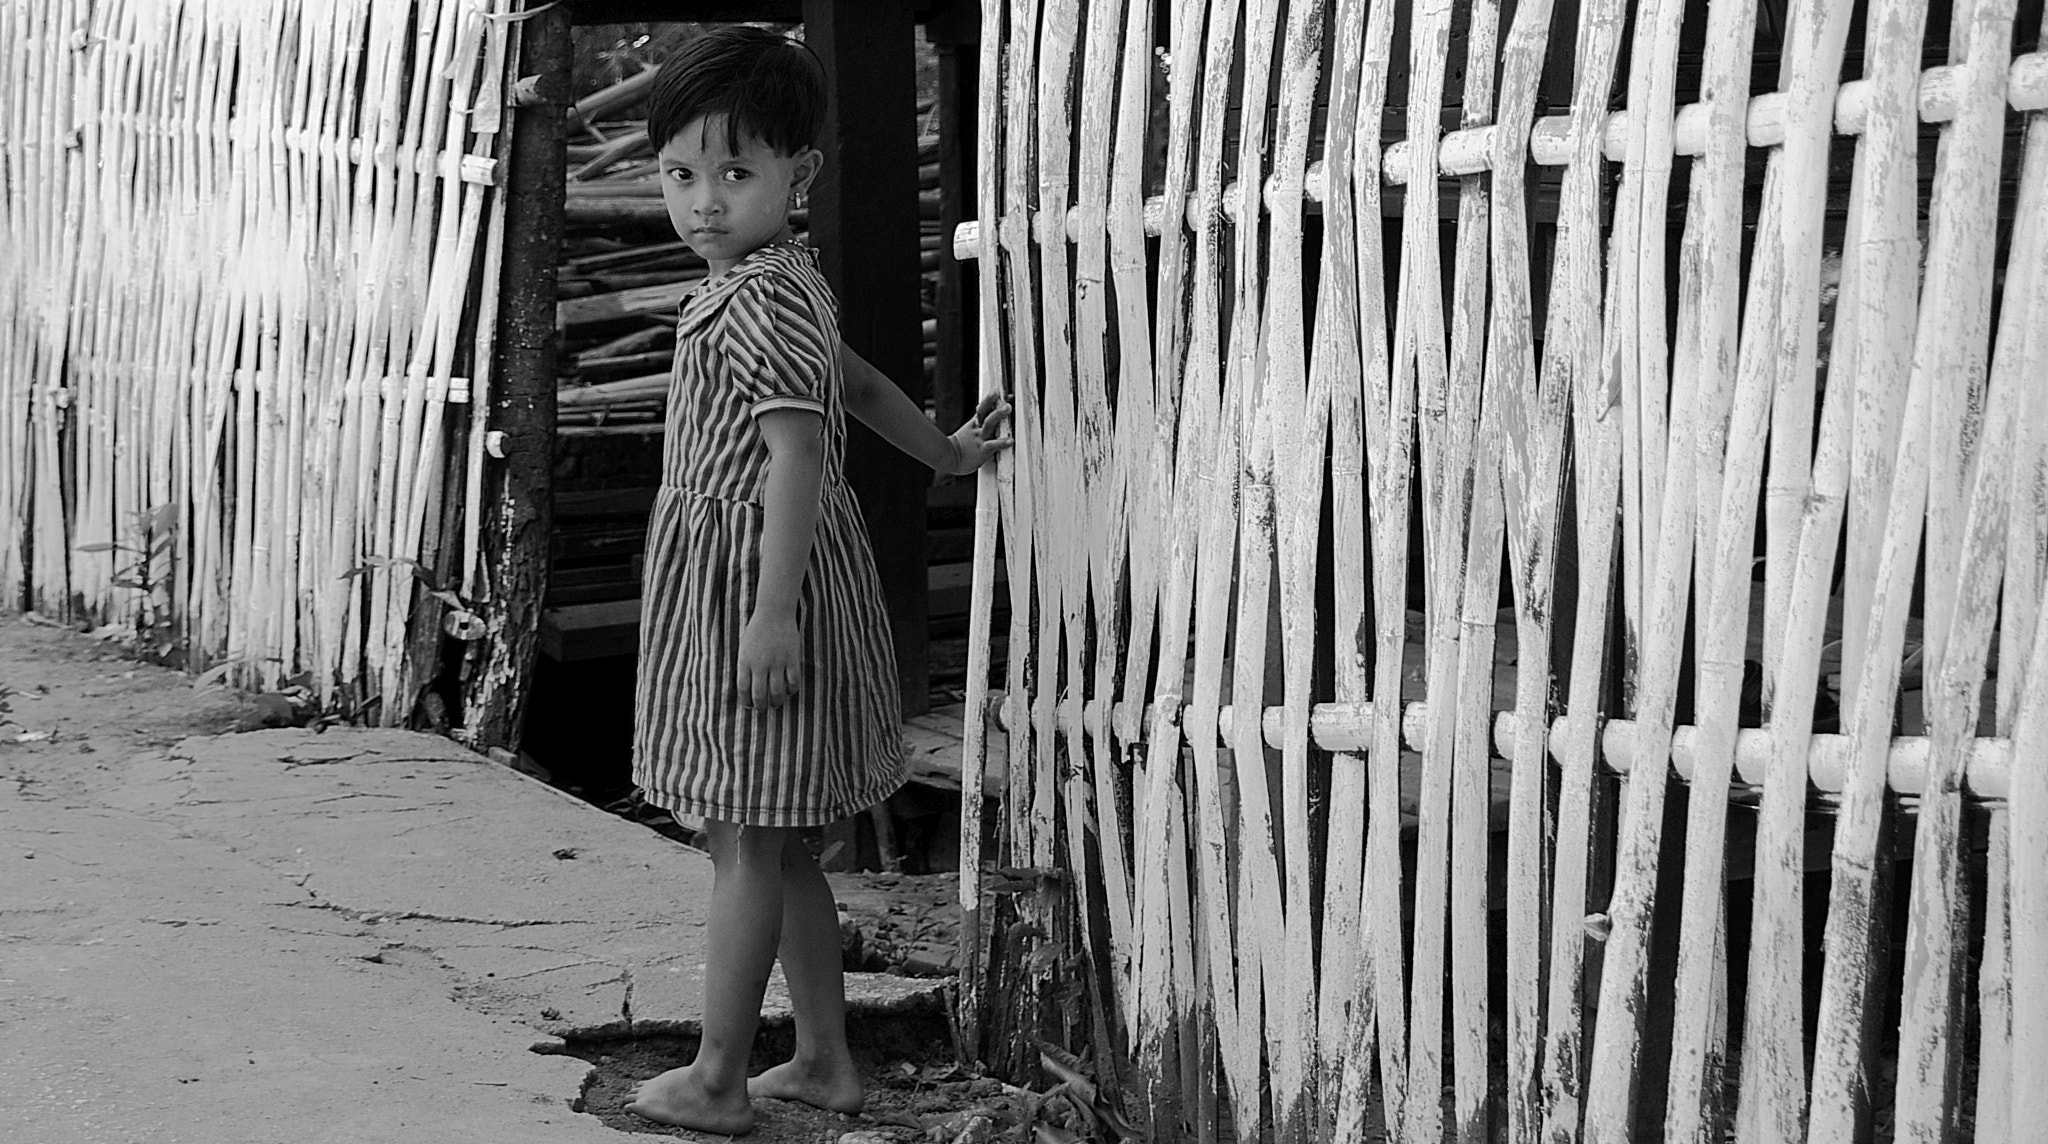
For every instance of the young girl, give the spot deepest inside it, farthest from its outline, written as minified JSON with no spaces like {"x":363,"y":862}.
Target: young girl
{"x":767,"y":690}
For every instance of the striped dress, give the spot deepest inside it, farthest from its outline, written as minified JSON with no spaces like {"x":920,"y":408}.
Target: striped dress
{"x":764,"y":336}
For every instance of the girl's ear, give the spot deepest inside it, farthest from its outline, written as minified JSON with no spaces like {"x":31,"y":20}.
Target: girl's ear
{"x":808,"y":163}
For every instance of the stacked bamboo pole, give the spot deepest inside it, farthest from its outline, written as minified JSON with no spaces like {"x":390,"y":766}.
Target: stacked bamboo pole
{"x":240,"y":298}
{"x":1277,"y":789}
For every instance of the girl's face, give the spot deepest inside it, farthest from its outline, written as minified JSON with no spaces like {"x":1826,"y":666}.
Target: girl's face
{"x":727,"y":204}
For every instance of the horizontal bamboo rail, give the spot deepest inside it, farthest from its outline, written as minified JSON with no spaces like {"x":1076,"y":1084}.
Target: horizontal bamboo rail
{"x":1470,"y":151}
{"x":1347,"y":729}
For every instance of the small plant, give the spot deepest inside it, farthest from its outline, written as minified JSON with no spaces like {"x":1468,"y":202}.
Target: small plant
{"x":155,"y":532}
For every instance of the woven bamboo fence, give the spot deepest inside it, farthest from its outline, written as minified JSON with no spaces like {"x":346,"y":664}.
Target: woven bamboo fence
{"x":1525,"y":562}
{"x":246,"y":305}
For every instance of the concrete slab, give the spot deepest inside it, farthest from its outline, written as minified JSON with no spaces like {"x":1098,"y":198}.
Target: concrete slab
{"x":351,"y":936}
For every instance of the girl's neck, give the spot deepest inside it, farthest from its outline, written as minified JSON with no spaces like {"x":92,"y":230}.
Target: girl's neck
{"x":719,"y":268}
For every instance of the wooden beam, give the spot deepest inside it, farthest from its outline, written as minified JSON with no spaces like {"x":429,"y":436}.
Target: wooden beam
{"x":864,"y":220}
{"x":518,"y":513}
{"x":954,"y":380}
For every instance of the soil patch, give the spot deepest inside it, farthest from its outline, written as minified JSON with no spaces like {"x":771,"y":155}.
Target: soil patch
{"x":916,"y":1090}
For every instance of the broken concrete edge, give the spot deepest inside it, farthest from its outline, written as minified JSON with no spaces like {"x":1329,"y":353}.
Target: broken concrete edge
{"x":933,"y":1000}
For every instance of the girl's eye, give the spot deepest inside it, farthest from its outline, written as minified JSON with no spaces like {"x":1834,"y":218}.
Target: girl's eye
{"x":679,"y":174}
{"x":737,"y":175}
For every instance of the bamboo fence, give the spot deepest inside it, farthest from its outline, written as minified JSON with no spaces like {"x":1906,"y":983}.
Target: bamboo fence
{"x":248,"y":287}
{"x":1526,"y":553}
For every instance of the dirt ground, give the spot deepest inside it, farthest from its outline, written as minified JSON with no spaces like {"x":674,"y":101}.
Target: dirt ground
{"x":61,"y":690}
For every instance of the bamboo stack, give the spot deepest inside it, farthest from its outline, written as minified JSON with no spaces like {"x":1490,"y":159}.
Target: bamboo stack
{"x":1276,"y":748}
{"x":241,"y":299}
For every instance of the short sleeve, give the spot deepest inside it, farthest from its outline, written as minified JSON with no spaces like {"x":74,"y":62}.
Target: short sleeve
{"x":782,"y":353}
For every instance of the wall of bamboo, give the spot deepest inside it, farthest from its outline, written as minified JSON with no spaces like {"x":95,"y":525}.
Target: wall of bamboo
{"x":249,"y":276}
{"x":1675,"y":334}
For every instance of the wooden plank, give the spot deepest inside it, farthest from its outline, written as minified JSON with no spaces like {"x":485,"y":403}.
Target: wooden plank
{"x":519,"y":508}
{"x":864,"y":222}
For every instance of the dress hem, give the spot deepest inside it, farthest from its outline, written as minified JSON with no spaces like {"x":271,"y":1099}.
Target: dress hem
{"x":785,"y":820}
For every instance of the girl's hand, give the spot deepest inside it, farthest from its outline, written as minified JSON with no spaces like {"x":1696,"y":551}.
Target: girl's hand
{"x":771,"y":661}
{"x":978,"y":441}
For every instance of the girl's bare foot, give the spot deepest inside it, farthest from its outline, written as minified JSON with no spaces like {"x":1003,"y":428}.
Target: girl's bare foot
{"x":834,"y":1087}
{"x":678,"y":1097}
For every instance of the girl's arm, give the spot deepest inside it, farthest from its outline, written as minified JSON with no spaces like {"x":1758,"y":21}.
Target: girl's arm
{"x":771,"y":651}
{"x":881,"y":406}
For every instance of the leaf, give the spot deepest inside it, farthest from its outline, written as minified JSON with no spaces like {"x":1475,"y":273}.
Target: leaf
{"x":216,"y":673}
{"x":1052,"y":1134}
{"x":105,"y":546}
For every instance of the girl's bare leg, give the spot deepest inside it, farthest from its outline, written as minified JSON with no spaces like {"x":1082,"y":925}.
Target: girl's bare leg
{"x":710,"y":1093}
{"x":822,"y":1072}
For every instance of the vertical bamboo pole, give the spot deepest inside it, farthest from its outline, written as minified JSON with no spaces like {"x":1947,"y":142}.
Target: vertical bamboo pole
{"x":1168,"y":937}
{"x":987,"y":526}
{"x":1293,"y":462}
{"x":1473,"y":602}
{"x":1026,"y":844}
{"x":1096,"y":605}
{"x":1386,"y":403}
{"x":1962,"y":564}
{"x":2028,"y":815}
{"x":1710,"y":288}
{"x":1773,"y":1066}
{"x":1135,"y":426}
{"x":1208,"y":468}
{"x":1345,"y":1013}
{"x":1419,"y":363}
{"x":1530,"y":442}
{"x":1055,"y":702}
{"x":1872,"y":357}
{"x":1659,"y":504}
{"x":1570,"y":353}
{"x":2023,"y":824}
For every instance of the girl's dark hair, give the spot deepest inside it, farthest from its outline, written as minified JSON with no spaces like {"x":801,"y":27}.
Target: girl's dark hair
{"x":765,"y":85}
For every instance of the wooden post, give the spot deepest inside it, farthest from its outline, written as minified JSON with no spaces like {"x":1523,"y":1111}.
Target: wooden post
{"x":517,"y":505}
{"x":954,"y":36}
{"x":864,"y":220}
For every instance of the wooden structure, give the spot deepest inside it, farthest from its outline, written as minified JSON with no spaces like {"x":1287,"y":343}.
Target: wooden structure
{"x":1710,"y":337}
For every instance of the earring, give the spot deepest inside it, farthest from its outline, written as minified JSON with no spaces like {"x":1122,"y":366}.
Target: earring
{"x":799,"y":200}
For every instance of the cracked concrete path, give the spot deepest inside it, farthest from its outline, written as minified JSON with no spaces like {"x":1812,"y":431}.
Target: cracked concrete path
{"x":283,"y":936}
